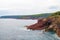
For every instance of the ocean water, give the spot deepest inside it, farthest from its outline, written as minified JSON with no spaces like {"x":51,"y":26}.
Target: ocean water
{"x":14,"y":29}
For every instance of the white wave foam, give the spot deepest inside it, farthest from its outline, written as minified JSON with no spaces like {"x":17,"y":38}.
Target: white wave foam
{"x":25,"y":29}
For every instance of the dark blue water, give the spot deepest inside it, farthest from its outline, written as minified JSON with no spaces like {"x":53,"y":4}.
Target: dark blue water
{"x":12,"y":29}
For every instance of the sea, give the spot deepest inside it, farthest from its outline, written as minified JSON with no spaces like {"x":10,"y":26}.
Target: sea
{"x":15,"y":29}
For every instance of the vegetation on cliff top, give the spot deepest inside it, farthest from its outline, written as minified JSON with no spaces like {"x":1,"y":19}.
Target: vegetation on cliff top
{"x":55,"y":16}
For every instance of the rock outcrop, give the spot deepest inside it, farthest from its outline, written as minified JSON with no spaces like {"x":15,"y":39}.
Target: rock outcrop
{"x":39,"y":25}
{"x":51,"y":23}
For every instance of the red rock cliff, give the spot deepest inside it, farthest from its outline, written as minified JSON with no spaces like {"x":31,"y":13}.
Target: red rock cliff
{"x":39,"y":25}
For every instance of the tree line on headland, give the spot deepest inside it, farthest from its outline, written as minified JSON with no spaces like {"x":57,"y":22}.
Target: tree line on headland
{"x":35,"y":16}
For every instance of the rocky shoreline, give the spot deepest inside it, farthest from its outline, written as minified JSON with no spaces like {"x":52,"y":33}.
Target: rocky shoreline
{"x":49,"y":24}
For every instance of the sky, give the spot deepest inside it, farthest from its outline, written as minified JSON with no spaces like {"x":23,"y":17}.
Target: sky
{"x":28,"y":7}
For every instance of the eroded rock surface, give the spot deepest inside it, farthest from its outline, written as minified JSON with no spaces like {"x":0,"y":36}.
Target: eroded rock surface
{"x":51,"y":23}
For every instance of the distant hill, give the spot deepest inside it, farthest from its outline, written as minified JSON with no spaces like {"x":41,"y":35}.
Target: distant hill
{"x":36,"y":16}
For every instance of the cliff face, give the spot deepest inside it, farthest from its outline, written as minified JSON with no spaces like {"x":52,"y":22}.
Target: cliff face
{"x":51,"y":23}
{"x":39,"y":25}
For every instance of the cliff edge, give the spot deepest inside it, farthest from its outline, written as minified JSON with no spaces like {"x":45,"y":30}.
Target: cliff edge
{"x":50,"y":23}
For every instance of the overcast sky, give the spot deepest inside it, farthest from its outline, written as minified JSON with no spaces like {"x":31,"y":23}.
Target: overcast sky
{"x":28,"y":7}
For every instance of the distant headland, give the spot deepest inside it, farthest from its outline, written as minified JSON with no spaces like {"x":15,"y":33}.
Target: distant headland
{"x":36,"y":16}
